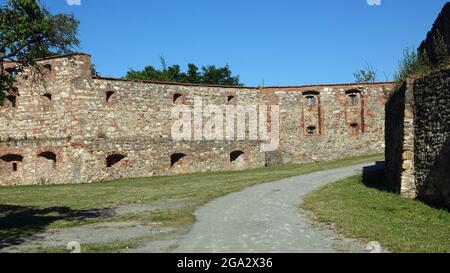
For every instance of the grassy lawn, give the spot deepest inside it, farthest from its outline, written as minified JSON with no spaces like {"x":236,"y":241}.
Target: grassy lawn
{"x":27,"y":210}
{"x":361,"y":208}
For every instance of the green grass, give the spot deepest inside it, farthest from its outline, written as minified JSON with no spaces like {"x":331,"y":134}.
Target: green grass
{"x":359,"y":209}
{"x":27,"y":210}
{"x":111,"y":247}
{"x":199,"y":187}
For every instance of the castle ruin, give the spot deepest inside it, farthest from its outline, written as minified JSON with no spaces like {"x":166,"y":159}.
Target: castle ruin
{"x":65,"y":126}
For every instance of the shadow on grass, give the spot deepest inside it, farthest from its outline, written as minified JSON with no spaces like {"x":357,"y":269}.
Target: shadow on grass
{"x":375,"y":177}
{"x":19,"y":223}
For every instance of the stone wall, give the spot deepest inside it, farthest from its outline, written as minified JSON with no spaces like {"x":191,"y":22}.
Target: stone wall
{"x":432,"y":138}
{"x":66,"y":126}
{"x":442,"y":27}
{"x":400,"y":140}
{"x":418,"y":139}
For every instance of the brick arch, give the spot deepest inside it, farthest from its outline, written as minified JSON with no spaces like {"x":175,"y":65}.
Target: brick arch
{"x":235,"y":155}
{"x":110,"y":96}
{"x":10,"y":100}
{"x":48,"y":155}
{"x":349,"y":94}
{"x":176,"y":159}
{"x":178,"y":97}
{"x":231,"y":98}
{"x":11,"y":164}
{"x":55,"y":150}
{"x":47,"y":96}
{"x":115,"y":159}
{"x":12,"y":157}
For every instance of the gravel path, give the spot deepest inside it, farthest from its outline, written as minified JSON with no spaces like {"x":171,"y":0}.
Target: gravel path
{"x":267,"y":218}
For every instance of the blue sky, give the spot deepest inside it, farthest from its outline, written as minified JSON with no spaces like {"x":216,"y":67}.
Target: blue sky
{"x":276,"y":42}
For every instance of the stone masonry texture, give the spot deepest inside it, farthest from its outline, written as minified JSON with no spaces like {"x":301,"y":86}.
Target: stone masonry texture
{"x":418,"y":139}
{"x":418,"y":128}
{"x":65,"y":126}
{"x":400,"y":140}
{"x":442,"y":27}
{"x":432,"y":138}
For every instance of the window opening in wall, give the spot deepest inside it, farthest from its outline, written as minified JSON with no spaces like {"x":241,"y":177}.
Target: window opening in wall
{"x":109,"y":95}
{"x":311,"y":130}
{"x":48,"y":155}
{"x":175,"y":158}
{"x":113,"y":160}
{"x":310,"y":101}
{"x":230,"y":99}
{"x":12,"y":72}
{"x":235,"y":155}
{"x":48,"y":68}
{"x":11,"y":101}
{"x":13,"y":159}
{"x":177,"y":97}
{"x":353,"y":99}
{"x":354,"y":127}
{"x":48,"y":96}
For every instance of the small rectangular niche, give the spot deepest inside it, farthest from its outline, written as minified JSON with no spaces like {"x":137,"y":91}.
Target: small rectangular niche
{"x":311,"y":130}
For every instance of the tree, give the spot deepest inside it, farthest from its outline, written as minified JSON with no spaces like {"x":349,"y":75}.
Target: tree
{"x":413,"y":62}
{"x":29,"y":31}
{"x":222,"y":75}
{"x":366,"y":75}
{"x":208,"y":74}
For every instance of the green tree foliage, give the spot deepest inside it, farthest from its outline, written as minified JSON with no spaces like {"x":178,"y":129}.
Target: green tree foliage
{"x":366,"y":75}
{"x":29,"y":31}
{"x":418,"y":63}
{"x":207,"y":75}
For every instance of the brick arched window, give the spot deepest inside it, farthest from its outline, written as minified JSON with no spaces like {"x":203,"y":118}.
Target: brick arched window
{"x":114,"y":159}
{"x":12,"y":161}
{"x":353,"y":97}
{"x":176,"y":159}
{"x":178,"y":98}
{"x":50,"y":156}
{"x":10,"y":101}
{"x":235,"y":155}
{"x":47,"y":69}
{"x":47,"y":96}
{"x":231,"y":99}
{"x":12,"y":71}
{"x":109,"y":96}
{"x":311,"y":98}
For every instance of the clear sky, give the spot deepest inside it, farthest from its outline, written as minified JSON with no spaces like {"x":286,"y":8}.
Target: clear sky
{"x":280,"y":42}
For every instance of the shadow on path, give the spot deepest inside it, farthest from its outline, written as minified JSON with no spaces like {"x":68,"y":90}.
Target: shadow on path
{"x":374,"y":177}
{"x":19,"y":223}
